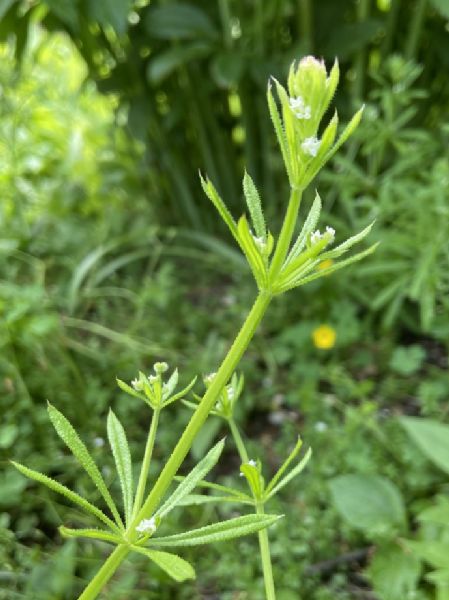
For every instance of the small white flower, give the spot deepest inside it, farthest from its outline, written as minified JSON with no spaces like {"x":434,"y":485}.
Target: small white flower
{"x":330,"y":231}
{"x":311,"y":145}
{"x":152,"y":378}
{"x":147,"y":526}
{"x":260,"y":242}
{"x":320,"y":426}
{"x":315,"y":237}
{"x":209,"y":377}
{"x":137,"y":385}
{"x":299,"y":108}
{"x":231,"y":392}
{"x":160,"y":367}
{"x":250,"y":463}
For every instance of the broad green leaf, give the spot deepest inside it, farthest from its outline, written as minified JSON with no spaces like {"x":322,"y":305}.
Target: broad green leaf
{"x":175,"y":566}
{"x":95,"y":534}
{"x":394,"y":572}
{"x":192,"y":479}
{"x":179,"y":21}
{"x":439,"y":513}
{"x":122,"y":458}
{"x":293,"y":473}
{"x":221,"y":207}
{"x":254,"y":206}
{"x":308,"y":227}
{"x":165,"y":63}
{"x":111,"y":12}
{"x":368,"y":502}
{"x":431,"y":437}
{"x":219,"y":532}
{"x":69,"y":436}
{"x":433,"y":552}
{"x":285,"y":465}
{"x":344,"y":247}
{"x":64,"y":491}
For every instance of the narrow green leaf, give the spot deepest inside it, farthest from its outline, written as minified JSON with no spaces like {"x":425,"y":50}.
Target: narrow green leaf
{"x":293,"y":473}
{"x":347,"y":132}
{"x":192,"y":479}
{"x":293,"y":454}
{"x":64,"y":491}
{"x":69,"y":436}
{"x":308,"y":227}
{"x":279,"y":130}
{"x":175,"y":566}
{"x":344,"y":247}
{"x":332,"y":269}
{"x":95,"y":534}
{"x":254,"y":206}
{"x":251,"y":251}
{"x":180,"y":394}
{"x":197,"y":499}
{"x":219,"y":532}
{"x":223,"y":211}
{"x":219,"y":488}
{"x":122,"y":458}
{"x":130,"y":390}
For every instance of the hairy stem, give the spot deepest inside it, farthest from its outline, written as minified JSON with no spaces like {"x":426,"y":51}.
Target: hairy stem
{"x":285,"y":237}
{"x":238,"y":440}
{"x":264,"y":546}
{"x":146,"y":463}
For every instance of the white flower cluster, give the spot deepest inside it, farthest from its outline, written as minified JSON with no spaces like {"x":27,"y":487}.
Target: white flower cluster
{"x":317,"y":236}
{"x":299,"y":108}
{"x":159,"y":368}
{"x":311,"y":145}
{"x":147,"y":526}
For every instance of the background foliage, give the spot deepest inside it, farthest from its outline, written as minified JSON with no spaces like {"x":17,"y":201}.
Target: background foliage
{"x":112,"y":258}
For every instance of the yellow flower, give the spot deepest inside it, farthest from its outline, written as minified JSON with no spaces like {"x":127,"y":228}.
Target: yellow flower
{"x":325,"y":264}
{"x":324,"y":337}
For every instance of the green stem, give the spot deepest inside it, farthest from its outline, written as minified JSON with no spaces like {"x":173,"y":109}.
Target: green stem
{"x":285,"y":237}
{"x":146,"y":463}
{"x":305,"y":25}
{"x":415,"y":29}
{"x":105,"y":573}
{"x":264,"y":546}
{"x":238,"y":440}
{"x":197,"y":420}
{"x":363,"y":9}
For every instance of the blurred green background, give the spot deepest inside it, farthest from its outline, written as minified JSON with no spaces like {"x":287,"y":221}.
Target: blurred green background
{"x":112,"y":258}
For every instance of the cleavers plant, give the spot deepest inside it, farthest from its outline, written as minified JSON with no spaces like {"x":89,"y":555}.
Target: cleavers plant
{"x":278,"y":265}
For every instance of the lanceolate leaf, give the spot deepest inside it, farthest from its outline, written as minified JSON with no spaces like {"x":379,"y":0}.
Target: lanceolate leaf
{"x":293,"y":473}
{"x":279,"y":129}
{"x":254,"y":206}
{"x":248,"y":245}
{"x":64,"y":491}
{"x":329,"y":270}
{"x":69,"y":436}
{"x":180,"y":394}
{"x":308,"y":227}
{"x":196,"y":499}
{"x":175,"y":566}
{"x":219,"y":532}
{"x":192,"y":479}
{"x":122,"y":457}
{"x":285,"y":465}
{"x":344,"y":247}
{"x":214,"y":197}
{"x":95,"y":534}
